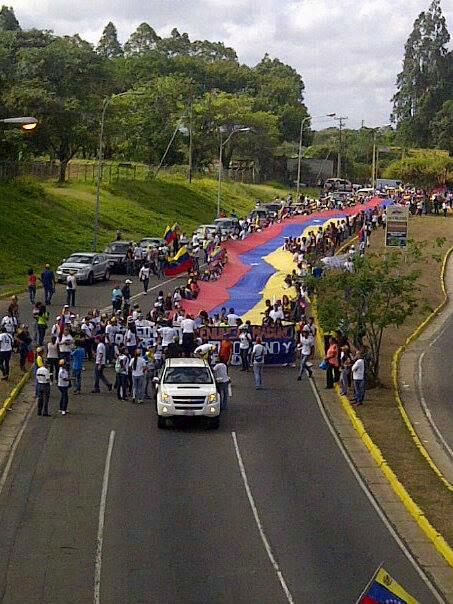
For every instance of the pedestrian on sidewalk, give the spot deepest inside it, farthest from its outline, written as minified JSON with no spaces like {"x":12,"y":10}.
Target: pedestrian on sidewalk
{"x":100,"y":366}
{"x":31,"y":285}
{"x":358,"y":379}
{"x":63,"y":386}
{"x":258,"y":354}
{"x":43,"y":389}
{"x":6,"y":350}
{"x":345,"y":369}
{"x":78,"y":358}
{"x":71,"y":286}
{"x":222,"y":381}
{"x":333,"y":372}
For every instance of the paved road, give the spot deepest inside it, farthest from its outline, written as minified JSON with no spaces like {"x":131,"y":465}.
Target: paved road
{"x":179,"y":527}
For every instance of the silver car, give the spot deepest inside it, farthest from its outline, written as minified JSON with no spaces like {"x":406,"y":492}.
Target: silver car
{"x":87,"y":266}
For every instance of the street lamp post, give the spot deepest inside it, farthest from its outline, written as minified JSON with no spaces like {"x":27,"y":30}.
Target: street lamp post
{"x":299,"y":159}
{"x":222,"y":145}
{"x":26,"y":123}
{"x":105,"y":104}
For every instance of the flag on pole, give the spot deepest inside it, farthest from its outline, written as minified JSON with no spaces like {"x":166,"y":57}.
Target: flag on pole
{"x":180,"y":263}
{"x":383,"y":589}
{"x":170,"y":234}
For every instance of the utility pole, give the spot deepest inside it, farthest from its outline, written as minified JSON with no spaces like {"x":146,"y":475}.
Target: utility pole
{"x":341,"y":122}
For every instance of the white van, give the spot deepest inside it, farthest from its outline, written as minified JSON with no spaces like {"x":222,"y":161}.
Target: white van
{"x":187,"y":387}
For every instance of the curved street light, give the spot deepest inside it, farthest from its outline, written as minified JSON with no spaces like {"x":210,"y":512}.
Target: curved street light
{"x":105,"y":104}
{"x":26,"y":123}
{"x":222,"y":145}
{"x":299,"y":159}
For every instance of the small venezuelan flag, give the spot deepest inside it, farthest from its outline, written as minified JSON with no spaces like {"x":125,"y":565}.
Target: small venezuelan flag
{"x":383,"y":589}
{"x":180,"y":263}
{"x":169,"y":234}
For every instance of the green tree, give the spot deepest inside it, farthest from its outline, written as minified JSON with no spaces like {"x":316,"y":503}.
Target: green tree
{"x":381,"y":293}
{"x":213,"y":51}
{"x":175,"y":45}
{"x":63,"y":85}
{"x":425,"y":172}
{"x":421,"y":83}
{"x":442,"y":127}
{"x":109,"y":46}
{"x":142,"y":41}
{"x":8,"y":21}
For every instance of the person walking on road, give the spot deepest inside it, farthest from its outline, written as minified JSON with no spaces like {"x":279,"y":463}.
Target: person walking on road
{"x":305,"y":346}
{"x":78,"y":358}
{"x":52,"y":358}
{"x":43,"y":389}
{"x":31,"y":285}
{"x":6,"y":350}
{"x":223,"y":381}
{"x":71,"y":286}
{"x":43,"y":317}
{"x":99,"y":366}
{"x":121,"y":369}
{"x":143,"y":275}
{"x":48,"y":282}
{"x":138,"y":369}
{"x":117,"y":297}
{"x":245,"y":342}
{"x":258,"y":354}
{"x":63,"y":386}
{"x":358,"y":379}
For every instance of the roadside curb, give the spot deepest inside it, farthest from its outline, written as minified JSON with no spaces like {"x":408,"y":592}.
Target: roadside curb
{"x":12,"y":397}
{"x":414,"y":510}
{"x":395,"y":372}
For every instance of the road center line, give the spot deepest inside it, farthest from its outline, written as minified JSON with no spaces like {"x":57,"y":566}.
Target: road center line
{"x":100,"y":535}
{"x":264,"y":539}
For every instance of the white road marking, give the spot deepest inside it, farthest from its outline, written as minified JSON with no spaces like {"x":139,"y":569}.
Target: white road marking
{"x":258,"y":521}
{"x":100,"y":535}
{"x":421,"y":573}
{"x":9,"y":463}
{"x":426,"y":409}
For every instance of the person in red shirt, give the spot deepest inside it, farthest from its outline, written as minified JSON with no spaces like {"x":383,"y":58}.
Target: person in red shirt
{"x":31,"y":282}
{"x":333,"y":371}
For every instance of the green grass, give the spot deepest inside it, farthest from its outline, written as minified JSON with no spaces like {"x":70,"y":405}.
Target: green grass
{"x":45,"y":223}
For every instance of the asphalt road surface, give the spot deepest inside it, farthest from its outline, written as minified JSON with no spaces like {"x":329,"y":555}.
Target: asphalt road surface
{"x":436,"y":385}
{"x":179,"y":524}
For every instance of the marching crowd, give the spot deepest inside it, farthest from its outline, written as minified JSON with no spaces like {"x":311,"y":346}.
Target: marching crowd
{"x":135,"y":341}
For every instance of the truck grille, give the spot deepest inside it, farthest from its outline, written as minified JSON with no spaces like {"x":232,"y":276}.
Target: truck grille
{"x":189,"y":400}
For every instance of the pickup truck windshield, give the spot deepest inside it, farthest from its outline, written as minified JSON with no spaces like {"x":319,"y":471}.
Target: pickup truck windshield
{"x":187,"y":375}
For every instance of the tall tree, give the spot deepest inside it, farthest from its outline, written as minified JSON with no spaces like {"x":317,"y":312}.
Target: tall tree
{"x":63,"y":85}
{"x":177,"y":44}
{"x":109,"y":46}
{"x":143,"y":40}
{"x":421,"y":85}
{"x":8,"y":21}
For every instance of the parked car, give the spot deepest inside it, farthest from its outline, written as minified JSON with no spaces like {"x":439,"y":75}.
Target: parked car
{"x":116,"y":253}
{"x":273,"y":209}
{"x":226,"y":226}
{"x":186,"y":387}
{"x":260,"y":215}
{"x":148,"y":242}
{"x":88,"y":267}
{"x":206,"y":232}
{"x":337,"y":184}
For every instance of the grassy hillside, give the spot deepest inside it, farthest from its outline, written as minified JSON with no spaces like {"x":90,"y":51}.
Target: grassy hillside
{"x":45,"y":223}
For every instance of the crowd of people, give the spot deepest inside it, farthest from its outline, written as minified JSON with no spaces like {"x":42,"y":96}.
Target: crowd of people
{"x":136,"y":340}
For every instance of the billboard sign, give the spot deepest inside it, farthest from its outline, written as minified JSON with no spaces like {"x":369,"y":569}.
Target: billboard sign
{"x":396,"y":226}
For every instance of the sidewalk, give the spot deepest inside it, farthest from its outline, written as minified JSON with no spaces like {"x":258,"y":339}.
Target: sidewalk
{"x":425,"y":387}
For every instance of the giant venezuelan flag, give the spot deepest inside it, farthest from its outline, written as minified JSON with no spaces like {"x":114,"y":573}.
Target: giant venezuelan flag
{"x":383,"y":589}
{"x":180,"y":263}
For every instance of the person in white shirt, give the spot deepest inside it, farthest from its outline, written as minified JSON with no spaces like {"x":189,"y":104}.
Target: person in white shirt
{"x":276,"y":314}
{"x":358,"y":379}
{"x":258,"y":354}
{"x":232,"y":318}
{"x":167,"y":333}
{"x":6,"y":348}
{"x":43,"y":389}
{"x":9,"y":323}
{"x":121,"y":369}
{"x":306,"y":344}
{"x":137,"y":366}
{"x":204,"y":351}
{"x":71,"y":286}
{"x":100,"y":366}
{"x":188,"y":335}
{"x":222,"y":380}
{"x":144,"y":275}
{"x":65,"y":344}
{"x":245,"y":342}
{"x":63,"y":386}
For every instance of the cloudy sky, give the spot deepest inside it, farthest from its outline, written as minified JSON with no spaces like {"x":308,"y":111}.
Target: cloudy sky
{"x":348,"y":51}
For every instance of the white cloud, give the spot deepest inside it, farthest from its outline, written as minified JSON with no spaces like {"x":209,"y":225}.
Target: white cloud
{"x":348,"y":52}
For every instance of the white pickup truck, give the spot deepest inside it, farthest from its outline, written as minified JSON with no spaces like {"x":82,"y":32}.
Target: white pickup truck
{"x":186,"y":387}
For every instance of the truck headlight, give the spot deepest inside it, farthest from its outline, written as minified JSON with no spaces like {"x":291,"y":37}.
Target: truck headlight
{"x":165,"y":397}
{"x":212,"y":398}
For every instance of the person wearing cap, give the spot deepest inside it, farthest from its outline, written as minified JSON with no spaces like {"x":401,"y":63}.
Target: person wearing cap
{"x":43,"y":389}
{"x":71,"y":286}
{"x":63,"y":386}
{"x":306,"y":343}
{"x":48,"y":282}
